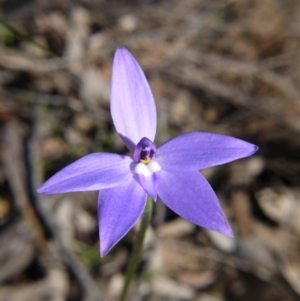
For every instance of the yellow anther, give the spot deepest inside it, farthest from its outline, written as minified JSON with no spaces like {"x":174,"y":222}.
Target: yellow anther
{"x":145,"y":161}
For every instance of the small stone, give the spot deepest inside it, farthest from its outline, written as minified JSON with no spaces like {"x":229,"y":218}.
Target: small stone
{"x":128,"y":23}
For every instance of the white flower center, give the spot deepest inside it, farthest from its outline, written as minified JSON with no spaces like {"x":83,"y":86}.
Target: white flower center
{"x":147,"y":169}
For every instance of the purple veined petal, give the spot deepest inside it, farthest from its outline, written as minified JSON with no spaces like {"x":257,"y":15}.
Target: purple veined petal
{"x":119,"y":208}
{"x":132,"y":105}
{"x":92,"y":172}
{"x":198,"y":150}
{"x":191,"y":197}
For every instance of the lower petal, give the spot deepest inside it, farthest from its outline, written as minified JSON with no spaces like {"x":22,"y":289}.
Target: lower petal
{"x":191,"y":197}
{"x":119,"y":208}
{"x":149,"y":184}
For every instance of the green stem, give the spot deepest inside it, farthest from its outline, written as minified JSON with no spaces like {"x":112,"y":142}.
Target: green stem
{"x":137,"y":249}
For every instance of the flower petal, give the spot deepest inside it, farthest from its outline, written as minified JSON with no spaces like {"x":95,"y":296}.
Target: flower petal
{"x":92,"y":172}
{"x":149,"y":183}
{"x":132,"y":105}
{"x":197,"y":150}
{"x":190,"y":196}
{"x":119,"y":208}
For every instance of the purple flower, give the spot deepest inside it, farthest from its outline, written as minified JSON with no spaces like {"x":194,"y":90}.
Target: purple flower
{"x":170,"y":171}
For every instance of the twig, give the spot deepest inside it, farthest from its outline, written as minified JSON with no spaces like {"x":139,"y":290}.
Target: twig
{"x":13,"y":60}
{"x":260,"y":107}
{"x":262,"y":272}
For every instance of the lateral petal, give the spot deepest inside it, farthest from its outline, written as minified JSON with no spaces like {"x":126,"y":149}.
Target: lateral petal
{"x":92,"y":172}
{"x":132,"y":105}
{"x":199,"y":150}
{"x":119,"y":208}
{"x":191,"y":197}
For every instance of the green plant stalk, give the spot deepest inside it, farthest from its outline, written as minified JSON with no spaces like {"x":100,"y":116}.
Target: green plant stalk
{"x":146,"y":216}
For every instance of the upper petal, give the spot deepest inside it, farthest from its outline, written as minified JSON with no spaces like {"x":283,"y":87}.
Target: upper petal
{"x":119,"y":209}
{"x":190,"y":196}
{"x":132,"y":105}
{"x":92,"y":172}
{"x":198,"y":150}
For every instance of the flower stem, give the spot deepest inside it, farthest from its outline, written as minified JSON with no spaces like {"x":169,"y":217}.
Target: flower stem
{"x":137,"y":249}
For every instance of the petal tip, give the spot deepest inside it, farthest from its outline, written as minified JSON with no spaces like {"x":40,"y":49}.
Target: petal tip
{"x":106,"y":246}
{"x":121,"y":52}
{"x":41,"y":190}
{"x":256,"y":148}
{"x":226,"y":229}
{"x":229,"y":232}
{"x":104,"y":251}
{"x":45,"y":189}
{"x":121,"y":49}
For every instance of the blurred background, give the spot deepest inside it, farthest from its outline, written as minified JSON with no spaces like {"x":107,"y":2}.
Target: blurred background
{"x":230,"y":67}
